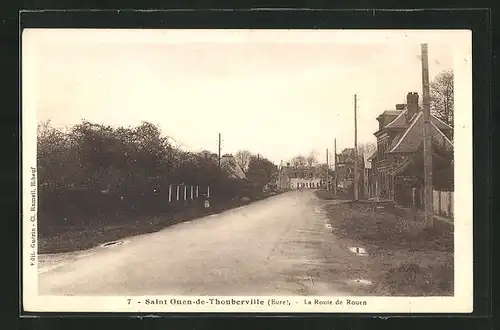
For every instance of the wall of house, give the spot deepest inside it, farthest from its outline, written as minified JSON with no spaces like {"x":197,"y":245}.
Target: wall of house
{"x":305,"y":183}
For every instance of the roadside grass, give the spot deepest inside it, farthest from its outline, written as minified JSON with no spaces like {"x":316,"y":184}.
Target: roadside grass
{"x":82,"y":237}
{"x":405,"y":258}
{"x":329,"y":195}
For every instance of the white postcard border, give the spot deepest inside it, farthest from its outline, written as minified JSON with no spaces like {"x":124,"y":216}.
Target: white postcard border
{"x":462,"y":302}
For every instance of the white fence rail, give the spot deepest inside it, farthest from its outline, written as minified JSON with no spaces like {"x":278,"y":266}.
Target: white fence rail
{"x":443,"y":203}
{"x":186,"y":192}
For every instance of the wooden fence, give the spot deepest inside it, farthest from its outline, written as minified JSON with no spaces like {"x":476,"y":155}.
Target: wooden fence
{"x":186,"y":192}
{"x":443,"y":203}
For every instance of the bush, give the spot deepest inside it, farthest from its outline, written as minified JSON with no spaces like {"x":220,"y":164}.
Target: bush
{"x":94,"y":173}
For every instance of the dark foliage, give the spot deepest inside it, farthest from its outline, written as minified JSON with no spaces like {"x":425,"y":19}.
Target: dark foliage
{"x":442,"y":167}
{"x":94,"y":173}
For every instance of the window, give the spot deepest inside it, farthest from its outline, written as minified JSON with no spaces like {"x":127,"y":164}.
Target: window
{"x":382,"y":148}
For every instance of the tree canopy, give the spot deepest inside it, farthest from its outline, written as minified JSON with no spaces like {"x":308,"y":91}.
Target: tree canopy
{"x":260,"y":171}
{"x":442,"y":96}
{"x":135,"y":164}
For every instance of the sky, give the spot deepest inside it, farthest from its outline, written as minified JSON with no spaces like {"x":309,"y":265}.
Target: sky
{"x":277,"y":93}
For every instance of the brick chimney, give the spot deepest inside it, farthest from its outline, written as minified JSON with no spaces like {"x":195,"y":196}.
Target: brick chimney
{"x":411,"y":106}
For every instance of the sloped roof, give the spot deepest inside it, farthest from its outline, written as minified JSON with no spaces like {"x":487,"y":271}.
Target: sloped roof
{"x":412,"y":138}
{"x":347,"y":156}
{"x":229,"y":163}
{"x":399,"y":121}
{"x":390,"y":113}
{"x":439,"y":123}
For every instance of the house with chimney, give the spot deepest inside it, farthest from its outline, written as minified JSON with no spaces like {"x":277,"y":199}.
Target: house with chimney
{"x":395,"y":164}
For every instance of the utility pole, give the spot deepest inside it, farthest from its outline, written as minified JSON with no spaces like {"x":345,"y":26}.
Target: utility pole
{"x":355,"y":149}
{"x":327,"y":168}
{"x":428,"y":200}
{"x":335,"y":167}
{"x":280,"y":168}
{"x":219,"y":149}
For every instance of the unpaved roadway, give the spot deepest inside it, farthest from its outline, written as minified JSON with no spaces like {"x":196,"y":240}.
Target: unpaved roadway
{"x":271,"y":247}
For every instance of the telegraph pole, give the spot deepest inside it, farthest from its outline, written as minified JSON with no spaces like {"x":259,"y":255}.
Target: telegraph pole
{"x":428,"y":200}
{"x":335,"y":167}
{"x":280,"y":168}
{"x":355,"y":149}
{"x":219,"y":148}
{"x":327,"y":177}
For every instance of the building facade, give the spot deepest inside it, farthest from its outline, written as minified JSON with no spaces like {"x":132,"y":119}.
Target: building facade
{"x":314,"y":183}
{"x":399,"y":138}
{"x":290,"y":177}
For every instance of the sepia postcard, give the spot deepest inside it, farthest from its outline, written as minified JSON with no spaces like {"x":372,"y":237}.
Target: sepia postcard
{"x":283,"y":171}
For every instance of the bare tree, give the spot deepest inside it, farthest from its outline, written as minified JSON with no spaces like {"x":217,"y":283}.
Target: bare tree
{"x":299,"y":161}
{"x":441,"y":95}
{"x":243,"y":159}
{"x":312,"y":159}
{"x":367,"y":148}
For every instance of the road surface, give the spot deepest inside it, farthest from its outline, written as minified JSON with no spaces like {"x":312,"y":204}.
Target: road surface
{"x":270,"y":247}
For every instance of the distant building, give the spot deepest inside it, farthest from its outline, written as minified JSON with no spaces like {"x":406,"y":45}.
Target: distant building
{"x":345,"y":171}
{"x":314,"y":183}
{"x":290,"y":177}
{"x":369,"y":177}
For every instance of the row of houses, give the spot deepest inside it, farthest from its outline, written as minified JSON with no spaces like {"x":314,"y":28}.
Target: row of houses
{"x":398,"y":162}
{"x":308,"y":177}
{"x":395,"y":170}
{"x":314,"y":177}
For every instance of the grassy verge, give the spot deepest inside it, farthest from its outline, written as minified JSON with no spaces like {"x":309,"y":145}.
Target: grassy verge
{"x":77,"y":238}
{"x":405,"y":258}
{"x":329,"y":195}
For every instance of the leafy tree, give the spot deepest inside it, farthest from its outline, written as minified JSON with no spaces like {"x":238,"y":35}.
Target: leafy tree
{"x":321,"y":169}
{"x":90,"y":171}
{"x":57,"y":164}
{"x":260,"y":171}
